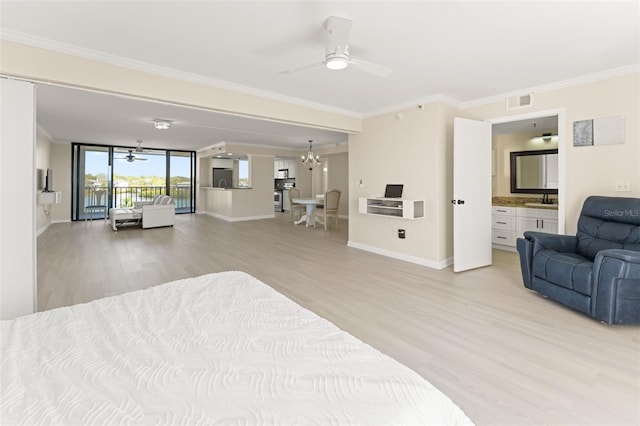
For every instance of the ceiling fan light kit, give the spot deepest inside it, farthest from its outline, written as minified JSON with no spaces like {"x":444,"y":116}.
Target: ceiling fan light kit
{"x":337,"y":55}
{"x":337,"y":61}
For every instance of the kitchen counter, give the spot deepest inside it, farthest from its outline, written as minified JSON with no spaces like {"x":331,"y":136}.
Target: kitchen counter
{"x":216,"y":188}
{"x":530,"y":202}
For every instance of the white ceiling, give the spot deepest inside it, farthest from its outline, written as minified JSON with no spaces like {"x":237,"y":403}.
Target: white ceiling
{"x":462,"y":50}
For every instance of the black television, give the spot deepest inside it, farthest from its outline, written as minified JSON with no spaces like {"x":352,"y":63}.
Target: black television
{"x":48,"y":183}
{"x":393,"y":191}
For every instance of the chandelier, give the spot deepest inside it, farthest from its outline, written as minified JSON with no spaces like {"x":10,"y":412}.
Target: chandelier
{"x":310,"y":160}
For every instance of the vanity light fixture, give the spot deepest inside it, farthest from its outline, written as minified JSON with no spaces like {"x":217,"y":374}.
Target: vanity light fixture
{"x":162,"y":124}
{"x":310,"y":160}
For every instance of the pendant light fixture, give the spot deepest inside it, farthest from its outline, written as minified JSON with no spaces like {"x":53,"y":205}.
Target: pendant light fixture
{"x":310,"y":160}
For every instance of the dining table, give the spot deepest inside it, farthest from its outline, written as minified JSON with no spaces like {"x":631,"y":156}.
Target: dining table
{"x":310,"y":204}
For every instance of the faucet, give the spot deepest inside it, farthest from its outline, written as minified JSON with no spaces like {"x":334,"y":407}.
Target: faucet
{"x":546,"y":199}
{"x":220,"y":183}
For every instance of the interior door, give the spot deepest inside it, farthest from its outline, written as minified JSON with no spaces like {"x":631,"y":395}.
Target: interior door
{"x":471,"y":194}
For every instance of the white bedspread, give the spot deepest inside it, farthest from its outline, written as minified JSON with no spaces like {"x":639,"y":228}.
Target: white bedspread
{"x":217,"y":349}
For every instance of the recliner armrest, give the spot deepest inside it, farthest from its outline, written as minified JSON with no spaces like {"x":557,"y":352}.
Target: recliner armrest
{"x":559,"y":243}
{"x":615,"y":297}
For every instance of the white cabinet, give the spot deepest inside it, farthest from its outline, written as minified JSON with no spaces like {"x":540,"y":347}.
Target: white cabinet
{"x":503,"y":226}
{"x":284,"y":164}
{"x":510,"y":223}
{"x":393,"y":207}
{"x":540,"y":220}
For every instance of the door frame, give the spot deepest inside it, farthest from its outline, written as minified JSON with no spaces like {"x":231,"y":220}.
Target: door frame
{"x":562,"y":148}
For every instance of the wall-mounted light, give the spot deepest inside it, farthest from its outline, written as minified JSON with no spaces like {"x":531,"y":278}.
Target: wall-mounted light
{"x":162,"y":124}
{"x":546,"y":138}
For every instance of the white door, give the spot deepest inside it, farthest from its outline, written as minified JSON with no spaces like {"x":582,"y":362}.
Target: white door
{"x":471,"y":194}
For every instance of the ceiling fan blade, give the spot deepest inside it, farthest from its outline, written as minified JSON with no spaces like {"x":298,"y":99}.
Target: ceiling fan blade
{"x":139,"y":159}
{"x":292,"y":70}
{"x":370,"y":68}
{"x":339,"y":29}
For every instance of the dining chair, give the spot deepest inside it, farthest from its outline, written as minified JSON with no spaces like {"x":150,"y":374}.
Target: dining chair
{"x":296,"y":209}
{"x":331,"y":204}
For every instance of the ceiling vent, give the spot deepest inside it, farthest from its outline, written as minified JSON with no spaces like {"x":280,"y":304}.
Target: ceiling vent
{"x":519,"y":101}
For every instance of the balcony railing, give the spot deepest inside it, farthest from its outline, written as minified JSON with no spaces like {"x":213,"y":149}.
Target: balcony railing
{"x":127,"y":196}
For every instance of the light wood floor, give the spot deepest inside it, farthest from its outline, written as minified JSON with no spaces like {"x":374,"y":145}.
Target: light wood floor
{"x":504,"y":354}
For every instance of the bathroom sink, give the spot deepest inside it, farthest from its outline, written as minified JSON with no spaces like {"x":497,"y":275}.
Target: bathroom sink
{"x":555,"y":206}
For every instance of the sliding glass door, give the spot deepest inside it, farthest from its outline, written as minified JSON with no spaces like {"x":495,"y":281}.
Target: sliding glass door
{"x":138,"y":176}
{"x":181,"y":182}
{"x":91,"y":182}
{"x":110,"y":176}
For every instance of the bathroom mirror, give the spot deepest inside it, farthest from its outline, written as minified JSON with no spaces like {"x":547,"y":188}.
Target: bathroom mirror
{"x":534,"y":172}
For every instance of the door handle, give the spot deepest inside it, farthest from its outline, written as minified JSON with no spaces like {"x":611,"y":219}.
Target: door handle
{"x":457,"y":202}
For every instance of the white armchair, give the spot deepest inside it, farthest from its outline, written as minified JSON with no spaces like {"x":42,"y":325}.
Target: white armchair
{"x":159,"y":212}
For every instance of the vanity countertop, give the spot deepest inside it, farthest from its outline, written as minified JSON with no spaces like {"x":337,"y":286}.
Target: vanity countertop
{"x":529,"y":202}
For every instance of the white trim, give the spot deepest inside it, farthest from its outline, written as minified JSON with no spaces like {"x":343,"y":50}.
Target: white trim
{"x":433,"y":264}
{"x":69,"y":49}
{"x":414,"y":104}
{"x":62,"y":221}
{"x":30,"y":40}
{"x":238,"y":219}
{"x":562,"y":151}
{"x":41,"y":230}
{"x":577,"y":81}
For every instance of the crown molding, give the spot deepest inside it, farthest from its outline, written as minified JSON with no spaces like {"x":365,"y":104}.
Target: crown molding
{"x":414,"y":103}
{"x":577,"y":81}
{"x":43,"y":43}
{"x":69,"y":49}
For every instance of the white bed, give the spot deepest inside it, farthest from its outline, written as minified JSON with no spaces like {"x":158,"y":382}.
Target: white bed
{"x":217,"y":349}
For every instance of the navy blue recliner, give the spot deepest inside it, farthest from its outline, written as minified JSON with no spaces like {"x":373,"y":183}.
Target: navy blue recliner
{"x":597,"y":271}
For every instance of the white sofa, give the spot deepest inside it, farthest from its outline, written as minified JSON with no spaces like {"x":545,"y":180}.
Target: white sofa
{"x":159,"y":212}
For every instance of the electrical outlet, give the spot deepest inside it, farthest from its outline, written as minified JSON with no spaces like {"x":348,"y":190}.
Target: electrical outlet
{"x":401,"y":234}
{"x":623,"y":186}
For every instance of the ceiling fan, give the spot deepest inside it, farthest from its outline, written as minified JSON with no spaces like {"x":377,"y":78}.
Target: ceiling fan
{"x":130,"y":157}
{"x":337,"y":55}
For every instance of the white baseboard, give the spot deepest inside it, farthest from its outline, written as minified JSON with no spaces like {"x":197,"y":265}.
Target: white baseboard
{"x":41,"y":230}
{"x":61,"y":221}
{"x":433,"y":264}
{"x":239,"y":219}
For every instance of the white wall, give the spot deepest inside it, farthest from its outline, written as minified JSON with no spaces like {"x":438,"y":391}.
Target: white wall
{"x":61,"y":166}
{"x":414,"y":147}
{"x":410,"y":147}
{"x":43,"y":161}
{"x":18,"y":290}
{"x":44,"y":65}
{"x":591,"y":170}
{"x":338,"y":178}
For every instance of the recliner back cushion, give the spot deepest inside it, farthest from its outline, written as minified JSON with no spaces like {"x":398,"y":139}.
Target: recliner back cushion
{"x":608,"y":223}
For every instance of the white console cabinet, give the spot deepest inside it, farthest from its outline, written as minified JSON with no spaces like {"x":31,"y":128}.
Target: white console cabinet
{"x":393,"y":207}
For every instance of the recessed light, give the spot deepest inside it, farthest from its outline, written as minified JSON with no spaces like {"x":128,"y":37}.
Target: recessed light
{"x":229,"y":153}
{"x":162,"y":124}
